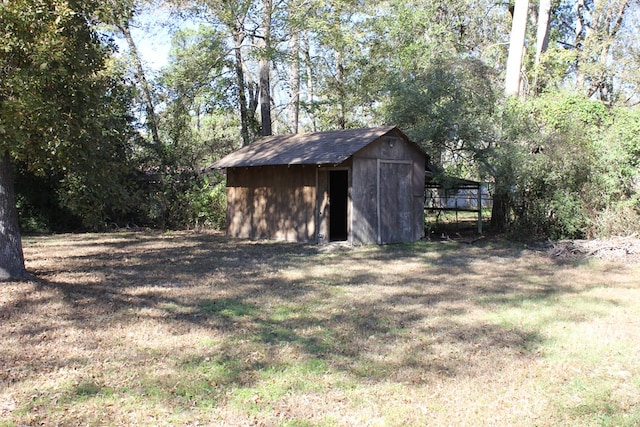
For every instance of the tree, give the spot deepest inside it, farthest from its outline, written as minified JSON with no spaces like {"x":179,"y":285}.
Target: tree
{"x":573,"y":176}
{"x":593,"y":48}
{"x":265,"y":68}
{"x":51,"y":89}
{"x":11,"y":257}
{"x":198,"y":125}
{"x":120,"y":13}
{"x":606,"y":22}
{"x":233,"y":17}
{"x":542,"y":30}
{"x":196,"y":87}
{"x":542,"y":38}
{"x":294,"y":83}
{"x":337,"y":62}
{"x":445,"y":106}
{"x":516,"y":48}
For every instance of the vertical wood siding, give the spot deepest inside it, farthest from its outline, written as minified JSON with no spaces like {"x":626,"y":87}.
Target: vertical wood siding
{"x":272,"y":202}
{"x":386,"y":197}
{"x":323,"y":205}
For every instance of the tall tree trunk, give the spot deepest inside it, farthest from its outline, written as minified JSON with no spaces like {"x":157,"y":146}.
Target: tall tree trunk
{"x":265,"y":70}
{"x":152,"y":118}
{"x":542,"y":40}
{"x":542,"y":32}
{"x":342,"y":122}
{"x":238,"y":38}
{"x":581,"y":30}
{"x":11,"y":256}
{"x":501,"y":209}
{"x":516,"y":48}
{"x":310,"y":85}
{"x":294,"y":95}
{"x":265,"y":98}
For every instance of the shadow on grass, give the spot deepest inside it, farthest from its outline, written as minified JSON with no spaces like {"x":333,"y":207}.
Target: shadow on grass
{"x":341,"y":308}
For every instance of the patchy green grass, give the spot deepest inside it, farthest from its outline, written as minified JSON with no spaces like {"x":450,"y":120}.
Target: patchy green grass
{"x":197,"y":329}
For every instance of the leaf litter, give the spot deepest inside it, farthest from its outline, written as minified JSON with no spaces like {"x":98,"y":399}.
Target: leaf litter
{"x":192,"y":328}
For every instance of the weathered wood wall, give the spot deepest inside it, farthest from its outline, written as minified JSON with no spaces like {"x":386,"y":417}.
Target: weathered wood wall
{"x":385,"y":204}
{"x":395,"y":202}
{"x":364,"y":228}
{"x":323,"y":213}
{"x":272,"y":202}
{"x":388,"y":196}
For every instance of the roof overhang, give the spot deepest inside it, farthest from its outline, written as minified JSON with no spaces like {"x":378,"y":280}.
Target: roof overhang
{"x":318,"y":148}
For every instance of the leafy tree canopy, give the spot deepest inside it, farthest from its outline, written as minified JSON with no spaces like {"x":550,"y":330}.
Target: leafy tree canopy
{"x":61,"y":107}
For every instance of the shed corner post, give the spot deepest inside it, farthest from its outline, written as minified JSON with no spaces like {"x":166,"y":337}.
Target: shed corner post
{"x":479,"y":208}
{"x":379,"y":233}
{"x":317,"y":214}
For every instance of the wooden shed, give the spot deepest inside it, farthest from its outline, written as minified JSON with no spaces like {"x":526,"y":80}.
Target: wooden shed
{"x":360,"y":186}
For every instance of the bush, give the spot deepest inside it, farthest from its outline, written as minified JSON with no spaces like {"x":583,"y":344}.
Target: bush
{"x":32,"y":219}
{"x":622,"y":219}
{"x":219,"y":205}
{"x":576,"y":176}
{"x":205,"y":205}
{"x":569,"y":218}
{"x":182,"y":201}
{"x":38,"y":204}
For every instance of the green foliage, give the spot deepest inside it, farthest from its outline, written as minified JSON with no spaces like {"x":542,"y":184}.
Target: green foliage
{"x":446,"y":106}
{"x":196,"y":128}
{"x":196,"y":73}
{"x":593,"y":49}
{"x":48,"y":62}
{"x":198,"y":125}
{"x":570,"y":113}
{"x":31,"y":220}
{"x":217,"y":208}
{"x":561,"y":164}
{"x":552,"y":70}
{"x":343,"y":67}
{"x":180,"y":200}
{"x":204,"y":205}
{"x":63,"y":112}
{"x":39,"y":206}
{"x":576,"y":177}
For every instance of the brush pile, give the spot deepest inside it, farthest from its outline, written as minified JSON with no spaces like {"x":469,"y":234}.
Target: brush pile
{"x":615,"y":248}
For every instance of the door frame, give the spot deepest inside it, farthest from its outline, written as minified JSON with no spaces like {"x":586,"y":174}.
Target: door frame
{"x":320,"y":217}
{"x":348,"y":210}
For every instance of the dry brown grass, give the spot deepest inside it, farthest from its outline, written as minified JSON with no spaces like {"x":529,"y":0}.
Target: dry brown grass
{"x":196,"y":329}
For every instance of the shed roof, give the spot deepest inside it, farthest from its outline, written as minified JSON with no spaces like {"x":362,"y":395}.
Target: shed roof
{"x":318,"y":148}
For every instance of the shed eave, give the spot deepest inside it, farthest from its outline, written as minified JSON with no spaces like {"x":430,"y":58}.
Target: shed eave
{"x":319,"y":148}
{"x":301,"y":162}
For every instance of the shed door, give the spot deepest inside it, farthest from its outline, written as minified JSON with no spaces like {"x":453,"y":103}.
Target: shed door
{"x":394,"y":190}
{"x":338,"y":204}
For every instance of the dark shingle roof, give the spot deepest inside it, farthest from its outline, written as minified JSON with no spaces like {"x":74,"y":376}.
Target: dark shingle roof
{"x":318,"y":148}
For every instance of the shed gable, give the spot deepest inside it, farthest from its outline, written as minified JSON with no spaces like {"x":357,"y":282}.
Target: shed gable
{"x":319,"y":148}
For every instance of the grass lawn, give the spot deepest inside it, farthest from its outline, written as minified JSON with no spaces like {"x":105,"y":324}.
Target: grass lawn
{"x":196,"y":329}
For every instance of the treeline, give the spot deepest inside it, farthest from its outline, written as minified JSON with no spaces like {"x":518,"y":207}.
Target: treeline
{"x":122,"y":145}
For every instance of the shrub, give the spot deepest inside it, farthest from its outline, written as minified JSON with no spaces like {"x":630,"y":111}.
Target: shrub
{"x":578,"y":180}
